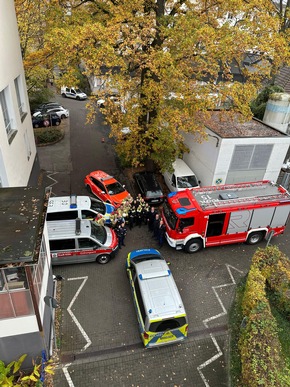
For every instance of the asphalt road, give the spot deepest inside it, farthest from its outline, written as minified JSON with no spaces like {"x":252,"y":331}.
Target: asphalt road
{"x":100,"y":343}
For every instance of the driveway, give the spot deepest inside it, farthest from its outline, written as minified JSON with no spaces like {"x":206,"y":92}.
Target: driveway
{"x":99,"y":339}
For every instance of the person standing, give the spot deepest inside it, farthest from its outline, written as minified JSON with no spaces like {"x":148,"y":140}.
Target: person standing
{"x":161,"y":232}
{"x":156,"y":226}
{"x":151,"y":218}
{"x":121,"y":232}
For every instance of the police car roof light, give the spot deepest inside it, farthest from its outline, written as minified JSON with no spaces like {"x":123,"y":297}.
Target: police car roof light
{"x":73,"y":201}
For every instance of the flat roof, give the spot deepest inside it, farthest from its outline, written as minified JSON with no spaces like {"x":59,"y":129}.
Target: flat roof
{"x":229,"y":124}
{"x":22,"y":216}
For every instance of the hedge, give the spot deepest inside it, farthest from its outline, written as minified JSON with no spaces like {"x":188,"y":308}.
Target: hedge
{"x":262,"y":361}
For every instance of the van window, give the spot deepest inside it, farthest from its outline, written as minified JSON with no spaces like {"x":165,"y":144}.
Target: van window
{"x":172,"y":323}
{"x":187,"y":181}
{"x":62,"y":244}
{"x":173,"y":180}
{"x":186,"y":222}
{"x":99,"y":233}
{"x":86,"y":214}
{"x":87,"y":243}
{"x":62,"y":215}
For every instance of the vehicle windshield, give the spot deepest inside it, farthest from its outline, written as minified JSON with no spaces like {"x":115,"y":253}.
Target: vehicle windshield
{"x":98,"y":206}
{"x":146,"y":257}
{"x":169,"y":215}
{"x":187,"y":181}
{"x":78,"y":90}
{"x":99,"y":233}
{"x":165,"y":325}
{"x":152,"y":194}
{"x":115,"y":188}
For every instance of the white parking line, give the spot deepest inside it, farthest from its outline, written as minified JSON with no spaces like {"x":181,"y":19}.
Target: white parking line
{"x":67,"y":375}
{"x":49,"y":175}
{"x":86,"y":337}
{"x":207,"y":320}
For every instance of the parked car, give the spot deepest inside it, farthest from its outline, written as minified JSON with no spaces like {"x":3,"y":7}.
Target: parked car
{"x":73,"y":92}
{"x":79,"y":206}
{"x":45,"y":106}
{"x":44,"y":120}
{"x":181,"y":178}
{"x":160,"y":311}
{"x":102,"y":101}
{"x":149,"y":187}
{"x":60,"y":111}
{"x":106,"y":187}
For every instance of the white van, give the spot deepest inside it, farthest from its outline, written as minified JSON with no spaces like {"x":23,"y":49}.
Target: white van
{"x":73,"y":92}
{"x":78,"y":241}
{"x":181,"y":178}
{"x":83,"y":207}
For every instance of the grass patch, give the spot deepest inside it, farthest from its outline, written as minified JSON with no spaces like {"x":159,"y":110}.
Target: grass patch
{"x":235,"y":321}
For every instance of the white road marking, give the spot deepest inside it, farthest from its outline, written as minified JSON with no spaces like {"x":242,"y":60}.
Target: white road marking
{"x":207,"y":320}
{"x":86,"y":337}
{"x":67,"y":375}
{"x":49,"y":175}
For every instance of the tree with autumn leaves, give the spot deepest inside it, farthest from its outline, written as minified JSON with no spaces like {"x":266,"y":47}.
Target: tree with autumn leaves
{"x":169,"y":60}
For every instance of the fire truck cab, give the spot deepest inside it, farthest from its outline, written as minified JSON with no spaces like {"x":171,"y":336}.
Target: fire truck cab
{"x":219,"y":215}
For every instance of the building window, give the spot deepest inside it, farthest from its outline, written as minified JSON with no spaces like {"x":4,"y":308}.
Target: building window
{"x":6,"y":105}
{"x":20,"y":97}
{"x":251,"y":157}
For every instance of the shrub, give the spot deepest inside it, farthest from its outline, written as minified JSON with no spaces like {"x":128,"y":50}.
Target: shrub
{"x":254,"y":291}
{"x":260,"y":349}
{"x":47,"y":136}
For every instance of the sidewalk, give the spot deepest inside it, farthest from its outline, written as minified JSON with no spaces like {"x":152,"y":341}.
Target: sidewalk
{"x":53,"y":162}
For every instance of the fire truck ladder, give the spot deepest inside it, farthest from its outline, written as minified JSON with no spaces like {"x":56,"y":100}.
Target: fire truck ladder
{"x":252,"y":199}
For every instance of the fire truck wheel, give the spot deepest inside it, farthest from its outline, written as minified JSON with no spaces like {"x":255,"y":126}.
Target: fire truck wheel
{"x":255,"y":238}
{"x":104,"y":258}
{"x":193,"y":246}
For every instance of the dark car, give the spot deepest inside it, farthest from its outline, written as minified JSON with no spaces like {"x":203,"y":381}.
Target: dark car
{"x":149,"y":187}
{"x":46,"y":106}
{"x":45,"y":120}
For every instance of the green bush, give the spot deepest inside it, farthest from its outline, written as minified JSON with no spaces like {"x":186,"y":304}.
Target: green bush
{"x":260,"y":343}
{"x":47,"y":136}
{"x":260,"y":349}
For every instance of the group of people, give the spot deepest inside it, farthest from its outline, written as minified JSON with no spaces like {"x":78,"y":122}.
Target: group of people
{"x":135,"y":213}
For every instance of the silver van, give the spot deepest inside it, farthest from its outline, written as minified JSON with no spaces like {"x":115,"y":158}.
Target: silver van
{"x":181,"y":178}
{"x":78,"y":241}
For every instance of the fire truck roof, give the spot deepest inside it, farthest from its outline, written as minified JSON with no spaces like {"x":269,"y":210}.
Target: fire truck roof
{"x":233,"y":194}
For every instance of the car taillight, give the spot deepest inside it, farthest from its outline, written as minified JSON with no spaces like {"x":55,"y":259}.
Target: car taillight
{"x":146,"y":336}
{"x":186,"y":329}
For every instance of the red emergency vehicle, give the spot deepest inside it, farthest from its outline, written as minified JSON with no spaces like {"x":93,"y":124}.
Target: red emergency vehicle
{"x":219,"y":215}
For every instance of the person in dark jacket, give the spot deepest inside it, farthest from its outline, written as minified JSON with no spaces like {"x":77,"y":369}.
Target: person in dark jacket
{"x":151,"y":218}
{"x":161,"y":233}
{"x":156,"y":226}
{"x":121,"y":232}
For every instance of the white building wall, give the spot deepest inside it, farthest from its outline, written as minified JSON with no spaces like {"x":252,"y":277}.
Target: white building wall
{"x":17,"y":152}
{"x":203,"y":157}
{"x":18,"y":326}
{"x":211,"y":162}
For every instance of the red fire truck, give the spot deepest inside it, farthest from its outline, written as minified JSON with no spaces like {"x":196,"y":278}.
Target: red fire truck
{"x":219,"y":215}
